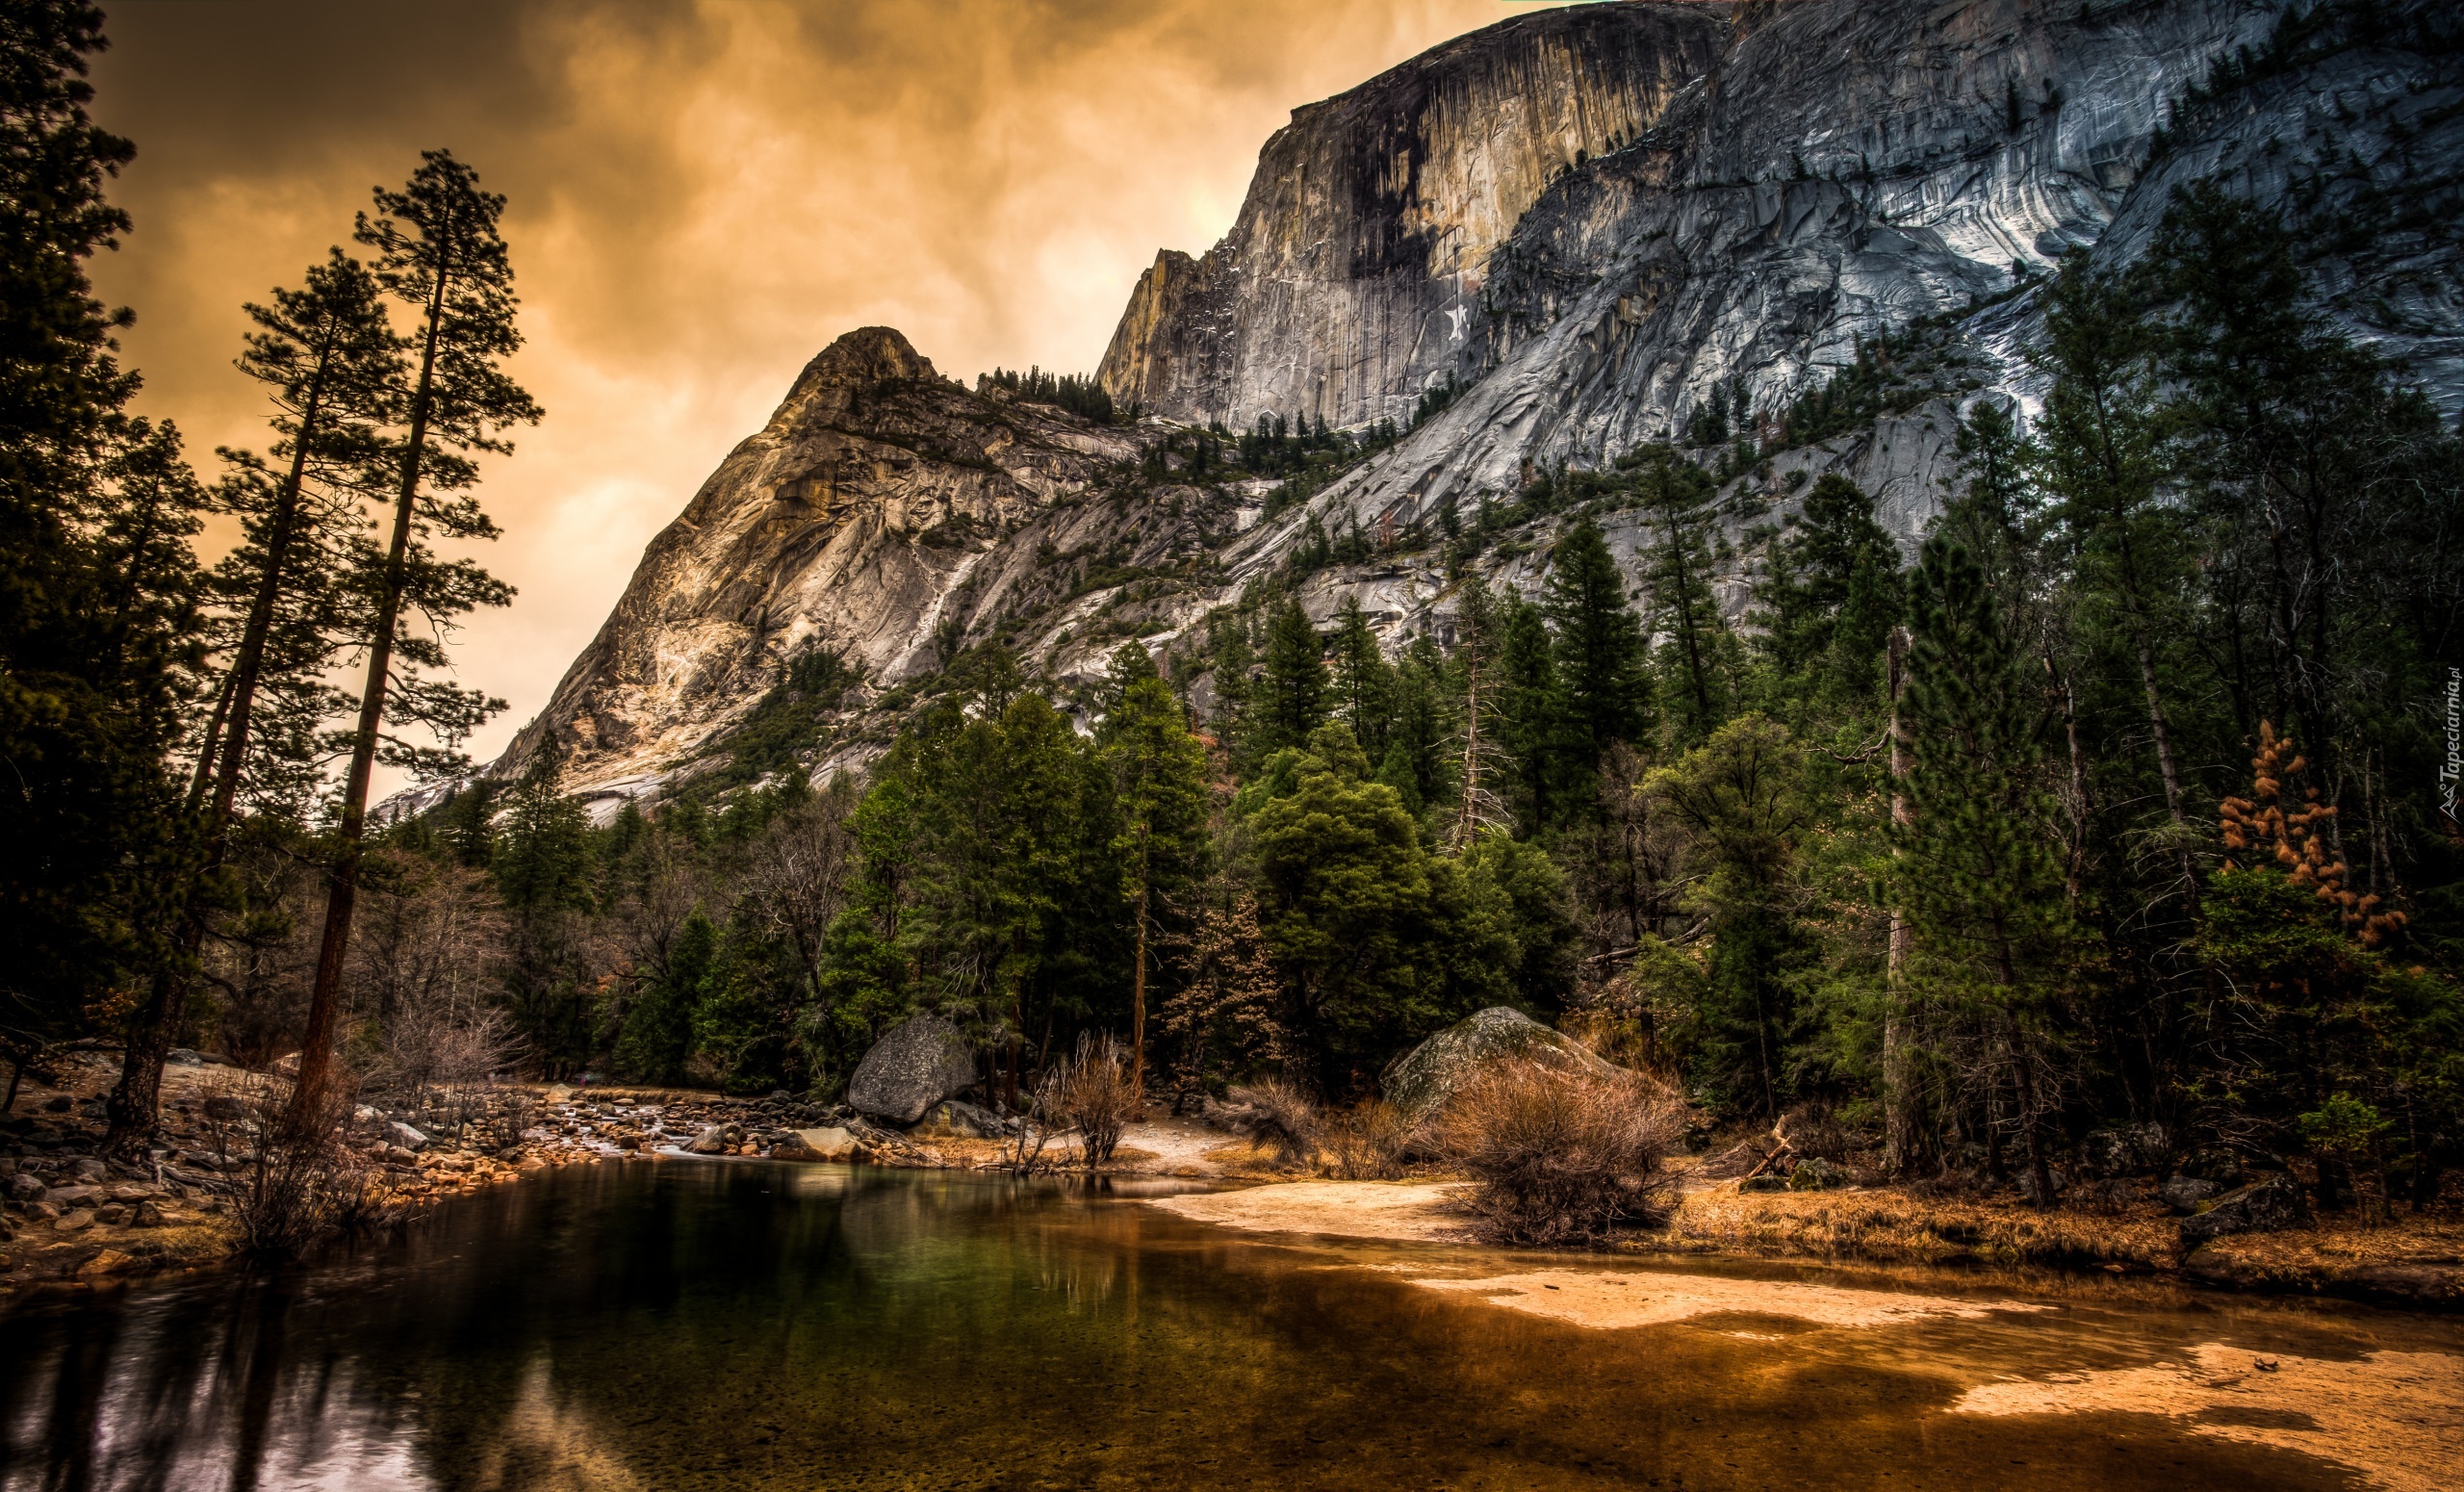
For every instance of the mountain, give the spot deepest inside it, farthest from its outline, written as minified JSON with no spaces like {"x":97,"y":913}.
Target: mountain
{"x":1551,"y":239}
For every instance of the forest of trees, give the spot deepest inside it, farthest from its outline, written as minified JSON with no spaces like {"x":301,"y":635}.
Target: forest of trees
{"x":2118,"y":803}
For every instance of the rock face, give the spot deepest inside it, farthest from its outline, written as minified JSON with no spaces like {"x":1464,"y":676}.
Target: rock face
{"x":1420,"y":1080}
{"x":1362,"y":252}
{"x":922,"y":1061}
{"x":1588,"y":222}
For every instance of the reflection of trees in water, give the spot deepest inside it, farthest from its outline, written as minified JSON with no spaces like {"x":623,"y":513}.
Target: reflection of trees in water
{"x":103,"y":1396}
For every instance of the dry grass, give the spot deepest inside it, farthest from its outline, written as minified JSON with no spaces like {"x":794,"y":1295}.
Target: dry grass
{"x":1893,"y":1226}
{"x":1560,"y":1157}
{"x":1274,"y":1116}
{"x":1367,"y":1143}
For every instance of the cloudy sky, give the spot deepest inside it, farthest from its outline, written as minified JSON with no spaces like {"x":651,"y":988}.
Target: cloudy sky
{"x":704,"y":193}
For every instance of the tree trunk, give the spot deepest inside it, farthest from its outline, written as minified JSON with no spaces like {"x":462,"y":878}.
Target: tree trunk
{"x":2078,"y":781}
{"x":342,"y":880}
{"x":1902,"y":1140}
{"x":136,"y":1104}
{"x":1138,"y":1011}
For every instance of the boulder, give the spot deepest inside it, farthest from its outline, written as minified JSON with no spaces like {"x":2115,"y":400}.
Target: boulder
{"x":1816,"y":1175}
{"x":2268,"y":1206}
{"x":74,"y":1222}
{"x":922,"y":1061}
{"x":1420,"y":1080}
{"x":833,"y":1142}
{"x":183,"y":1057}
{"x":76,"y":1195}
{"x":958,"y":1119}
{"x":23,"y":1188}
{"x":224,"y":1108}
{"x":404,"y":1135}
{"x":713,"y":1140}
{"x":2184,"y":1193}
{"x":792,"y":1146}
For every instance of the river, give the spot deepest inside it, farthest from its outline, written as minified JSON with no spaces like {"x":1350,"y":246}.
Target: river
{"x":686,"y":1324}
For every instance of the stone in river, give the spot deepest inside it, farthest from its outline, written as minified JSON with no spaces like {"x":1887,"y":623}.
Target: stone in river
{"x":713,"y":1140}
{"x":922,"y":1061}
{"x":1421,"y":1081}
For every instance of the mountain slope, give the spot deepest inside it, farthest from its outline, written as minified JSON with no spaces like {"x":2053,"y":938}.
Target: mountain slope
{"x":1587,"y":221}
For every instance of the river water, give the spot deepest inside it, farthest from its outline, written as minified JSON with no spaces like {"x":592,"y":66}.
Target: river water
{"x":751,"y":1325}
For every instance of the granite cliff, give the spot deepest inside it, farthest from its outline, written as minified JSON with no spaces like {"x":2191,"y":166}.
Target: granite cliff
{"x":1581,"y":224}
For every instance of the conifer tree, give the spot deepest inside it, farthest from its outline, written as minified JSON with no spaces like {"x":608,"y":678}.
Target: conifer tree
{"x":1291,"y":697}
{"x":1159,"y":773}
{"x":1362,"y":681}
{"x":439,"y":253}
{"x":1977,"y":877}
{"x":98,"y":590}
{"x":1832,"y":591}
{"x":1676,"y":498}
{"x":327,"y":359}
{"x":1529,"y":725}
{"x":2097,"y":451}
{"x":1601,"y":664}
{"x":1742,"y":797}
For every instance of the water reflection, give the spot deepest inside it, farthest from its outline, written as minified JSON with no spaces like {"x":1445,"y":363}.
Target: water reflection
{"x":684,"y":1325}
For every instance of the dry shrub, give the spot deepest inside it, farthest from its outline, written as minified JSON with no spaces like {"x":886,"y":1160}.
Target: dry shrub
{"x":1091,"y":1091}
{"x":1274,"y":1115}
{"x":1561,"y":1157}
{"x":1365,"y":1143}
{"x":300,"y":1180}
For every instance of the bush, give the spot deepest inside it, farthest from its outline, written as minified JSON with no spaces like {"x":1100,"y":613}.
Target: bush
{"x":1091,"y":1091}
{"x":299,"y":1182}
{"x":1274,"y":1115}
{"x":1561,"y":1157}
{"x":1367,"y":1143}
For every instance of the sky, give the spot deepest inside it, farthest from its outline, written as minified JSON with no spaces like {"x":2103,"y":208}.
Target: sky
{"x":702,"y":195}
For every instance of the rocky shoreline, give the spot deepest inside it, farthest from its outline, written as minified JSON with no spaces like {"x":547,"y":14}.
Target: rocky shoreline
{"x":74,"y":1220}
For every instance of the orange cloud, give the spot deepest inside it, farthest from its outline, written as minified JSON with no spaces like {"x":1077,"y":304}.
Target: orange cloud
{"x":701,"y":196}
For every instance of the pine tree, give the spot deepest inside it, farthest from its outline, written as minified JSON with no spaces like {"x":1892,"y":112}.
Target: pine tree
{"x":1741,"y":795}
{"x":1832,"y":591}
{"x":1674,"y":496}
{"x":543,"y":857}
{"x":327,"y":359}
{"x":438,"y":252}
{"x":1976,"y":877}
{"x":1601,"y":664}
{"x":98,"y":590}
{"x":1158,"y":772}
{"x":1364,"y":681}
{"x":2099,"y":451}
{"x":1530,"y":724}
{"x":1291,"y":697}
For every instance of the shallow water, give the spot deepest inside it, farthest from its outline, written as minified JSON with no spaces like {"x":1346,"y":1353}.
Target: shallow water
{"x":691,"y":1325}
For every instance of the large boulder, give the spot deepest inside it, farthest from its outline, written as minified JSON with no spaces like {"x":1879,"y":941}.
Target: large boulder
{"x":1420,"y":1080}
{"x":922,"y":1061}
{"x":2269,"y":1206}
